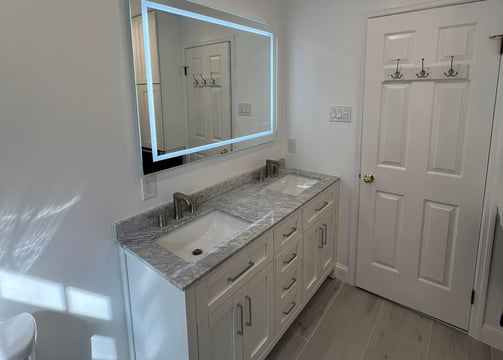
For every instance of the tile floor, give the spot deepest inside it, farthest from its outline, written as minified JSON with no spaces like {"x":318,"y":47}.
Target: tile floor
{"x":342,"y":322}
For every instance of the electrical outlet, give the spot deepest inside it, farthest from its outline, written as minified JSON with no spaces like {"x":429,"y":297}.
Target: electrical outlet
{"x":149,"y":187}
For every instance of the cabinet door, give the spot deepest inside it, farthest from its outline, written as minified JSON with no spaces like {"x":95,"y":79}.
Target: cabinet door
{"x":326,"y":252}
{"x":313,"y":241}
{"x":258,"y":313}
{"x":220,"y":336}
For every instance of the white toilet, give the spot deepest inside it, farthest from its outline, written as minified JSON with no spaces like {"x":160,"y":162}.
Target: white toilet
{"x":18,"y":336}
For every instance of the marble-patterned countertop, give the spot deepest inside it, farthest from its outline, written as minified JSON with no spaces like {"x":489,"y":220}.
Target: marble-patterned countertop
{"x":249,"y":200}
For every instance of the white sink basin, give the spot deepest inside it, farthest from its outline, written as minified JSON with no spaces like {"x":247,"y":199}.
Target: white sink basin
{"x":196,"y":238}
{"x":292,"y":184}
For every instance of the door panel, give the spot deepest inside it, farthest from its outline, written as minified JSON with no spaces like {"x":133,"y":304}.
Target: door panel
{"x":427,"y":144}
{"x":258,"y":309}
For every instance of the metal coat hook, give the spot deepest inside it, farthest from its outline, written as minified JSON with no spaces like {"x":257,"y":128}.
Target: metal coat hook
{"x":422,"y":74}
{"x":212,"y":81}
{"x":451,"y":72}
{"x":203,"y":80}
{"x":195,"y":82}
{"x":397,"y":75}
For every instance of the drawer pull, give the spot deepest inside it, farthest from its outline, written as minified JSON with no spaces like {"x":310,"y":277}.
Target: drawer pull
{"x":290,"y":309}
{"x":294,"y":280}
{"x":325,"y":203}
{"x":322,"y":237}
{"x":292,"y":258}
{"x":249,"y":322}
{"x":234,"y":278}
{"x":240,"y":307}
{"x":325,"y":227}
{"x":294,"y":229}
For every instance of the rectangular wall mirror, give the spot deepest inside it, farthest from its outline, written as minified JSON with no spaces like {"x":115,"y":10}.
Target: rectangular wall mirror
{"x":205,"y":82}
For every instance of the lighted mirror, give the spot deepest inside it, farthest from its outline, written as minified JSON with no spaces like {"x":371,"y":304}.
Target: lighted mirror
{"x":205,"y":82}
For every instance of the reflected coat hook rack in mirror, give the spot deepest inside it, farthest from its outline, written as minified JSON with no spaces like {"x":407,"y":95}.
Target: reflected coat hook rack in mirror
{"x":422,"y":74}
{"x":397,"y":75}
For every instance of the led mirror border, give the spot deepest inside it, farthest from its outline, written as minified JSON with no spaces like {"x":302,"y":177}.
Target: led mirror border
{"x":145,"y":5}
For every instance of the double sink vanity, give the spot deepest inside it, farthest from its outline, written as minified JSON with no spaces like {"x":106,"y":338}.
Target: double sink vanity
{"x":226,"y":281}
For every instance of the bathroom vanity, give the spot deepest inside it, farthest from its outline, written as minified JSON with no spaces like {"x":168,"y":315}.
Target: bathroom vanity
{"x":264,"y":248}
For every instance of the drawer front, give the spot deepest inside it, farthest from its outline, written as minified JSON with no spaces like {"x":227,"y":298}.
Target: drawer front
{"x":287,"y":231}
{"x":288,"y":307}
{"x":221,"y":283}
{"x":289,"y":258}
{"x":318,"y":206}
{"x":289,"y":283}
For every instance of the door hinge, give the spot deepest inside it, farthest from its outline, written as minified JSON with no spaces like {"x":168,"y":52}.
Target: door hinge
{"x":472,"y":299}
{"x":185,"y":68}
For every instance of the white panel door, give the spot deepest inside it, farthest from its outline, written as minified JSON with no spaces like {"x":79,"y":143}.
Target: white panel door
{"x":220,"y":336}
{"x":258,"y":313}
{"x":426,"y":142}
{"x":143,"y":113}
{"x":209,"y":96}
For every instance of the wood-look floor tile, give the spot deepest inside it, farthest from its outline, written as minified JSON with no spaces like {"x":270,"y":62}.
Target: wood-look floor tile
{"x":399,"y":334}
{"x":496,"y":354}
{"x":450,"y":344}
{"x":307,"y":320}
{"x":345,"y":329}
{"x":288,"y":348}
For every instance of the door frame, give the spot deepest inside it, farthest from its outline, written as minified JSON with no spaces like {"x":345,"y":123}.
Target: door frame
{"x":485,"y":235}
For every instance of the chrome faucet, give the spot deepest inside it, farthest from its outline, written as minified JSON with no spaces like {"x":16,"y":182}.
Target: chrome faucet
{"x":178,"y":200}
{"x":272,"y":167}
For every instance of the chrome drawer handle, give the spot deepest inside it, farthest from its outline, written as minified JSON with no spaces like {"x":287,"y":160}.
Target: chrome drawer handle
{"x":322,"y":237}
{"x":292,"y":258}
{"x":325,"y":230}
{"x":240,"y":307}
{"x":294,"y":280}
{"x":232,"y":279}
{"x":322,"y":206}
{"x":249,"y":322}
{"x":290,"y":309}
{"x":294,"y":229}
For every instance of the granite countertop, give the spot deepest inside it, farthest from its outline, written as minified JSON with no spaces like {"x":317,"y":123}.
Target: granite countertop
{"x":244,"y":197}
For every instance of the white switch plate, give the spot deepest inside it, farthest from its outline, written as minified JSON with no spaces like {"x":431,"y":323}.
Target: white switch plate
{"x":149,"y":187}
{"x":244,"y":109}
{"x":339,"y":113}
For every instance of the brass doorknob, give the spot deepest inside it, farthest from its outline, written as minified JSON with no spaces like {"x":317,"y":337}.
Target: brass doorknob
{"x":368,"y":178}
{"x":224,"y":151}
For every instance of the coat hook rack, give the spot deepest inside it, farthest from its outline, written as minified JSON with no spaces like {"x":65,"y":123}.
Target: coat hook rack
{"x":397,"y":75}
{"x":451,"y":72}
{"x":195,"y":82}
{"x":422,"y":74}
{"x":203,"y":80}
{"x":212,"y":81}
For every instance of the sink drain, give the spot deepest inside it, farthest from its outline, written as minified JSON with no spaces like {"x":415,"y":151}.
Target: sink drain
{"x":197,"y":252}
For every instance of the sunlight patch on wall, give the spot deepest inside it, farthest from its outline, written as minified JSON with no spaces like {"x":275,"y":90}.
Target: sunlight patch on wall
{"x":86,"y":303}
{"x":32,"y":291}
{"x":103,"y":348}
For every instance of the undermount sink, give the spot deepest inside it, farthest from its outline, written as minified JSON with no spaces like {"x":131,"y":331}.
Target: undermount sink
{"x":292,"y":184}
{"x":201,"y":235}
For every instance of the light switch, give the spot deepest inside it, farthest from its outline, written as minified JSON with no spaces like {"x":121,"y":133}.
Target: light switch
{"x":244,"y":109}
{"x":339,"y":113}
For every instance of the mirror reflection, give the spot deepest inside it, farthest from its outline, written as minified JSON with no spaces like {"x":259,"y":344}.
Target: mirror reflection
{"x":211,"y":86}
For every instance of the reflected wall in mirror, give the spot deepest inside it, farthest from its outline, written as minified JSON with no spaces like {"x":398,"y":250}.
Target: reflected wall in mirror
{"x":205,"y":82}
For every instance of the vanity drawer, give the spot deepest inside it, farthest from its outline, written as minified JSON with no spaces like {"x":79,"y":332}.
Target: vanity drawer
{"x":287,"y":307}
{"x":289,"y":282}
{"x":216,"y":287}
{"x":287,"y":231}
{"x":318,"y":206}
{"x":289,"y":258}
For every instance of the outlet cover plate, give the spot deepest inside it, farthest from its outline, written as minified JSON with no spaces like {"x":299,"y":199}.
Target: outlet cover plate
{"x":149,"y":186}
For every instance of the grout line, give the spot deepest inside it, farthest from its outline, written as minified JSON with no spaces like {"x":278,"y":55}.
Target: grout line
{"x":373,"y":329}
{"x":428,"y":350}
{"x":329,"y":305}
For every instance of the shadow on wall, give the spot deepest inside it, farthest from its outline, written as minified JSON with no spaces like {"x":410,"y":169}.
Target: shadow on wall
{"x":69,"y":314}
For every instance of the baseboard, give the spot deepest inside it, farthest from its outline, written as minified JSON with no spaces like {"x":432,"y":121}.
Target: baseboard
{"x":342,"y":273}
{"x":492,"y":336}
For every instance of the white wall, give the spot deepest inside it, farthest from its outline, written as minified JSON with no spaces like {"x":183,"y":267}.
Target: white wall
{"x":326,"y":41}
{"x":70,"y":166}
